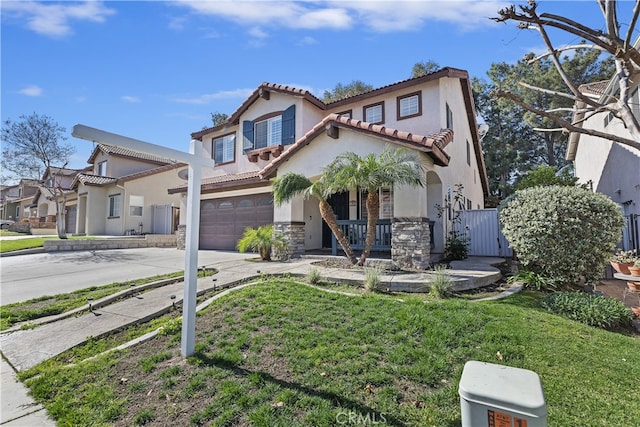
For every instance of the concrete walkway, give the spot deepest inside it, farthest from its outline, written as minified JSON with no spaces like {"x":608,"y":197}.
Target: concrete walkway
{"x":24,"y":349}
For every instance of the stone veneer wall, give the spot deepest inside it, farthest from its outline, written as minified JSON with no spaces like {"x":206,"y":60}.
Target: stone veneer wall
{"x":181,"y":237}
{"x":294,"y":236}
{"x":410,"y":243}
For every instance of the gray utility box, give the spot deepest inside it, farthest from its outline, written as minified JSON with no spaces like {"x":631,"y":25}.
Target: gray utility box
{"x":501,"y":396}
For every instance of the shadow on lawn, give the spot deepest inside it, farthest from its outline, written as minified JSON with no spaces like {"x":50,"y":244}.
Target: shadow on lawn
{"x":333,"y":398}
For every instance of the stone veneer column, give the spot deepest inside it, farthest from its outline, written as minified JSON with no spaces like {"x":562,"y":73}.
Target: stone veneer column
{"x":181,"y":237}
{"x":410,"y":243}
{"x":294,"y":236}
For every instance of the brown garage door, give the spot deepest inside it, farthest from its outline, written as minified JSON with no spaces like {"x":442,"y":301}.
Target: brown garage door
{"x":222,"y":221}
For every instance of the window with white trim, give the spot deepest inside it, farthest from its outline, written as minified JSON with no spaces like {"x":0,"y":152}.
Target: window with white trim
{"x":268,"y":132}
{"x":449,"y":117}
{"x":386,"y":203}
{"x":374,"y":113}
{"x":136,"y":204}
{"x":114,"y":206}
{"x":409,"y":105}
{"x":224,"y":149}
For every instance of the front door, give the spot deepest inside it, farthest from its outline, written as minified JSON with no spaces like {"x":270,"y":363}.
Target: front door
{"x":339,"y":202}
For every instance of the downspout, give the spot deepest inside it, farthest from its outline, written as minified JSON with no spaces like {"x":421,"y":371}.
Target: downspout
{"x":124,"y":199}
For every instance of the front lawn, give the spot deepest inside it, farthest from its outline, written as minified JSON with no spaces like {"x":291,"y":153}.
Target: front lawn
{"x":283,"y":354}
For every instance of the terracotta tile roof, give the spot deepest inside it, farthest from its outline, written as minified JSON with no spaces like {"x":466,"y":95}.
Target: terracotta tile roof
{"x":150,"y":172}
{"x":595,"y":88}
{"x":226,"y":182}
{"x":125,"y":152}
{"x":432,"y":144}
{"x":95,"y":180}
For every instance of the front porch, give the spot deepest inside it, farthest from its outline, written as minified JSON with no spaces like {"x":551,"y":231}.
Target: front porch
{"x":356,"y":232}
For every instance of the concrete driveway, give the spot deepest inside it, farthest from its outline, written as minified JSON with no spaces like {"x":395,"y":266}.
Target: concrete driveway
{"x":25,"y":277}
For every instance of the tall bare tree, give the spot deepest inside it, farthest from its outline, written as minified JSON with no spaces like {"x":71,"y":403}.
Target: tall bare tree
{"x":32,"y":146}
{"x":610,"y":41}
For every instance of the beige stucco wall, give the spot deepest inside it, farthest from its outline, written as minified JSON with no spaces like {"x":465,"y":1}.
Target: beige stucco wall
{"x":614,"y":169}
{"x":96,"y":209}
{"x":121,"y":166}
{"x":154,"y":190}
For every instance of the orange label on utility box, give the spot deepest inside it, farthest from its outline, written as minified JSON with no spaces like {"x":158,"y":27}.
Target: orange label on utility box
{"x":519,"y":422}
{"x":498,"y":419}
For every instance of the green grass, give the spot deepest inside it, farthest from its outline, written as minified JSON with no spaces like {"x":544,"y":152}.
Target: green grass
{"x":36,"y":308}
{"x":31,"y":243}
{"x":284,"y":354}
{"x":11,"y":233}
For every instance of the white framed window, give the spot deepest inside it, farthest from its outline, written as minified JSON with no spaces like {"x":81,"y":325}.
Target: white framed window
{"x":409,"y":105}
{"x":114,"y":206}
{"x":386,"y":203}
{"x":224,"y":149}
{"x":468,"y":153}
{"x":449,"y":116}
{"x":346,"y":114}
{"x":101,"y":169}
{"x":136,"y":205}
{"x":374,"y":113}
{"x":268,"y":132}
{"x":17,"y":212}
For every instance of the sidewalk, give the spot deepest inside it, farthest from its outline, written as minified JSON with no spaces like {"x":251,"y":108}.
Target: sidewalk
{"x":24,"y":349}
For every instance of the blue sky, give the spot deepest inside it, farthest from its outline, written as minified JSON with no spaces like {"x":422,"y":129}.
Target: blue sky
{"x":155,"y":70}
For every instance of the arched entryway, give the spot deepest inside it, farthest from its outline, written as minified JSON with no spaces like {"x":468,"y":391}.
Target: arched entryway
{"x":435,"y":198}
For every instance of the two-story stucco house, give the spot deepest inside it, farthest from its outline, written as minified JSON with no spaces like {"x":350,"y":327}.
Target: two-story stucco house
{"x":611,"y":168}
{"x":125,"y":194}
{"x":280,"y":129}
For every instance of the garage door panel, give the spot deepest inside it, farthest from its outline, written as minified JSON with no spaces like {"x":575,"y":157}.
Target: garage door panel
{"x":223,"y":221}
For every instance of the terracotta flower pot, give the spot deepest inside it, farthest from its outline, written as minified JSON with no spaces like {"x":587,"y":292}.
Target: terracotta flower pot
{"x":620,"y":267}
{"x":634,"y":271}
{"x":636,"y":311}
{"x":633,"y":286}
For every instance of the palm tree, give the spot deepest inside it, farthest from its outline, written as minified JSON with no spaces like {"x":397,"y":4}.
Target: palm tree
{"x":292,"y":184}
{"x":370,"y":173}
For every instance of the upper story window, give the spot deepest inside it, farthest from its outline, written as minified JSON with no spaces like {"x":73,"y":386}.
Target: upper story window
{"x":607,"y":119}
{"x":635,"y":103}
{"x":114,"y":206}
{"x":468,"y":154}
{"x":101,"y":169}
{"x":409,"y":105}
{"x":224,"y":149}
{"x":348,"y":114}
{"x":449,"y":117}
{"x":272,"y":129}
{"x":374,"y":113}
{"x":268,"y":132}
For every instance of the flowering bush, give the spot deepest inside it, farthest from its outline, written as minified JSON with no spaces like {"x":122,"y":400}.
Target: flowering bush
{"x":565,"y":234}
{"x":625,"y":257}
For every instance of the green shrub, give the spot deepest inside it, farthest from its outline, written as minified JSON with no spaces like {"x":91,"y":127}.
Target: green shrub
{"x":441,"y":285}
{"x":593,"y":310}
{"x":532,"y":280}
{"x":260,"y":240}
{"x":565,"y":234}
{"x":457,"y":246}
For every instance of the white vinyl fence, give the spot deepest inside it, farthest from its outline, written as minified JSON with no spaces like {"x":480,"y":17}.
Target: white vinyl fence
{"x":483,"y":229}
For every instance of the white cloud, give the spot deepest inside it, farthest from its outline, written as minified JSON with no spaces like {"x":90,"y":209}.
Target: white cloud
{"x":177,"y":23}
{"x":53,"y":19}
{"x":287,"y":14}
{"x":381,"y":16}
{"x":209,"y":97}
{"x":31,"y":90}
{"x":258,"y":33}
{"x":307,"y":41}
{"x":131,"y":99}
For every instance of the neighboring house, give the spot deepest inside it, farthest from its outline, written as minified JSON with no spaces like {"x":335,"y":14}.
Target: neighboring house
{"x":17,"y":200}
{"x":280,"y":129}
{"x":610,"y":168}
{"x":124,"y":193}
{"x":56,"y":182}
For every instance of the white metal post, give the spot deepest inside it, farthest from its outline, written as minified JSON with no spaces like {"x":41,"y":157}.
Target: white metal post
{"x":191,"y":255}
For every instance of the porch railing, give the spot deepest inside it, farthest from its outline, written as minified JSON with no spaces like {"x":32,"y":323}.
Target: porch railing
{"x":356,"y":232}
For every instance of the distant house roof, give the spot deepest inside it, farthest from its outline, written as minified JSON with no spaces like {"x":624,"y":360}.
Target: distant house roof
{"x":432,"y":145}
{"x":235,"y":181}
{"x":96,"y":180}
{"x":125,"y":152}
{"x":595,"y":88}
